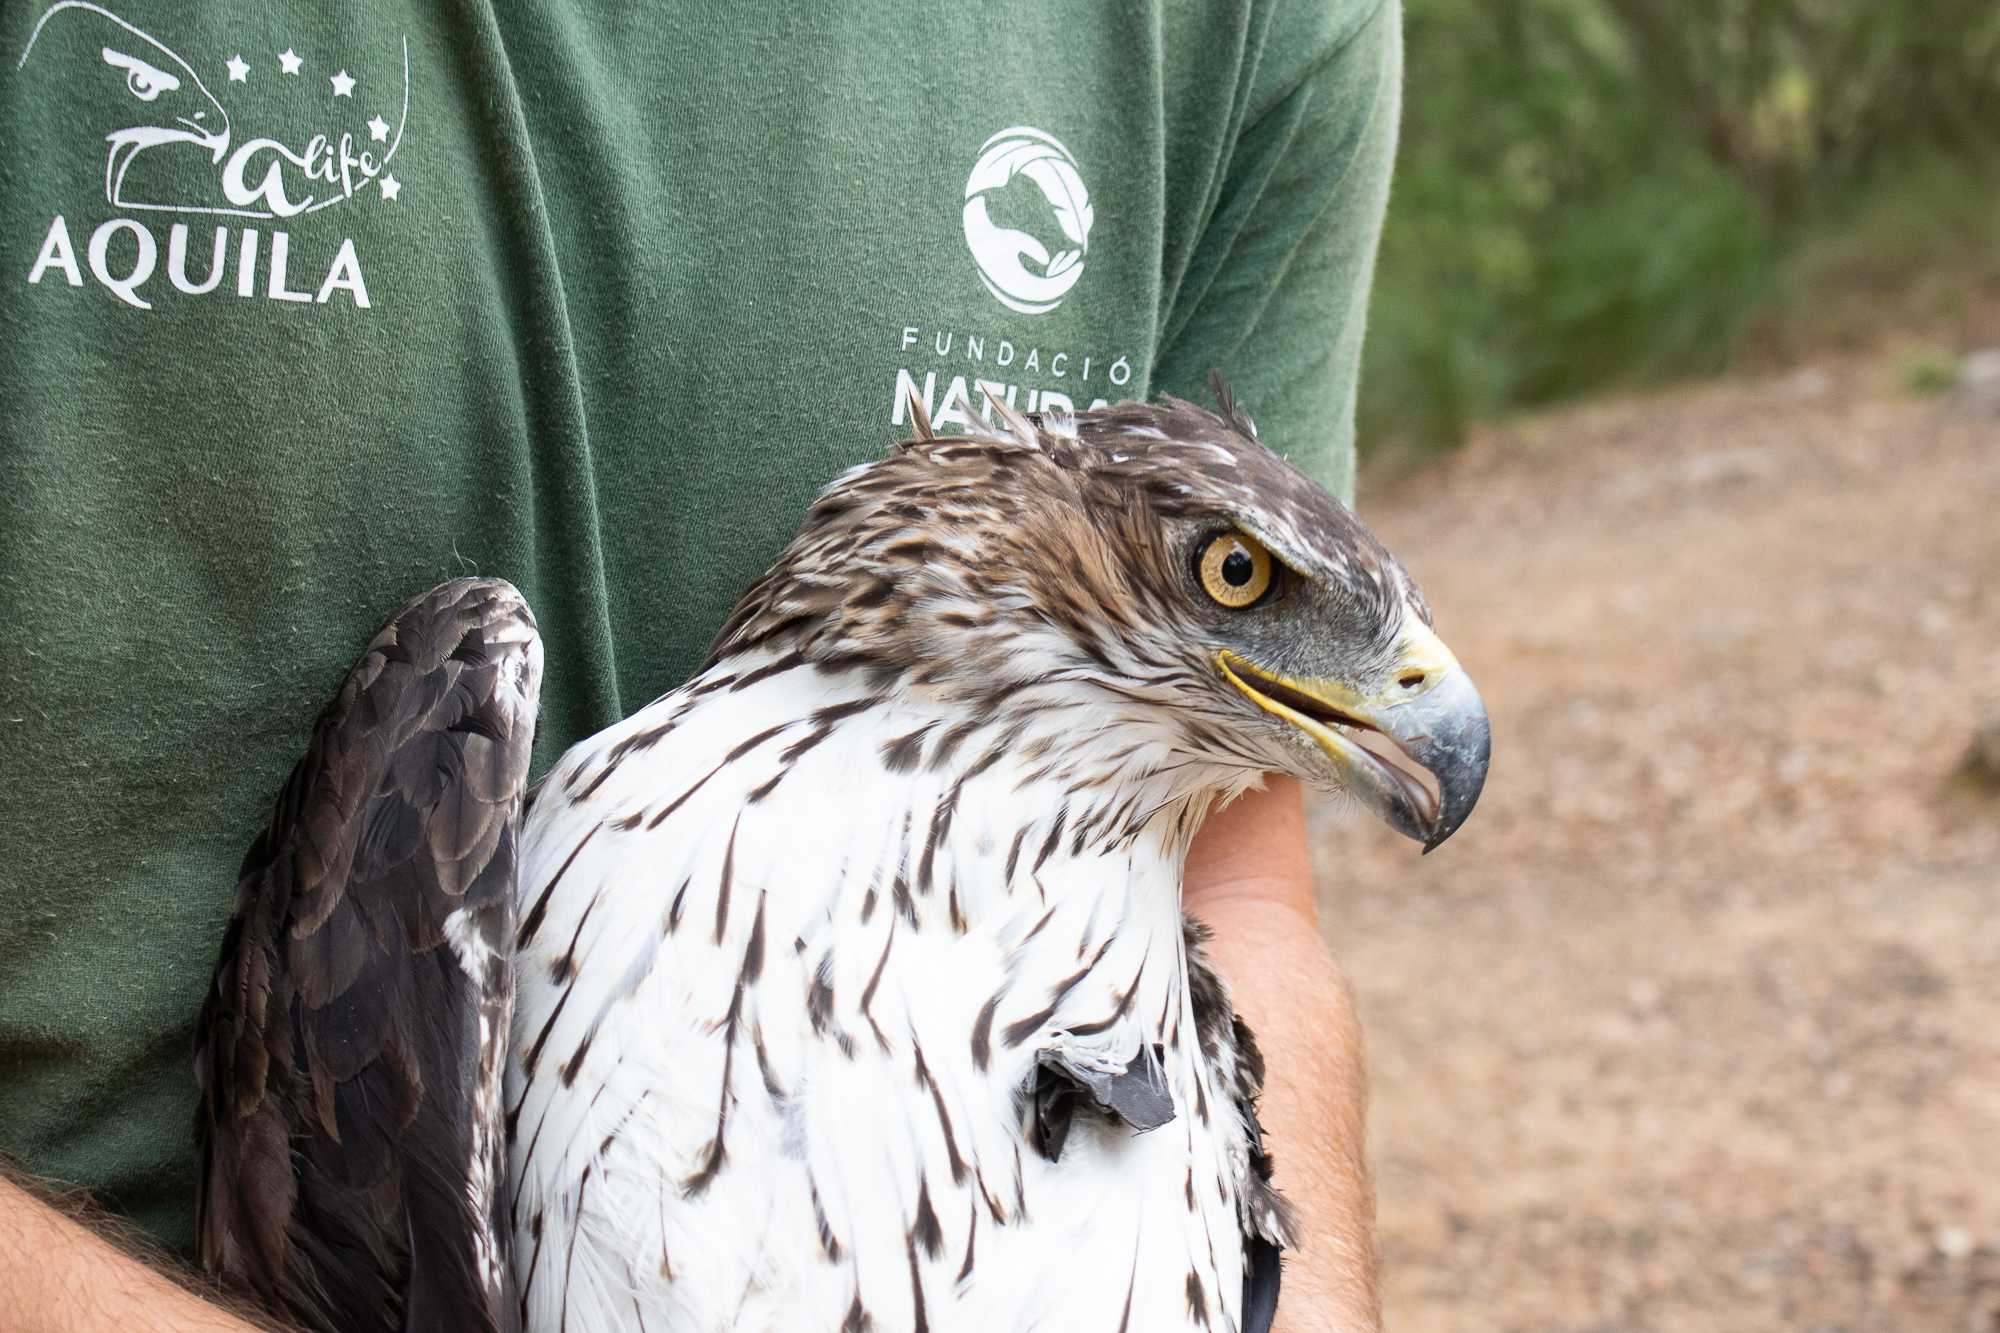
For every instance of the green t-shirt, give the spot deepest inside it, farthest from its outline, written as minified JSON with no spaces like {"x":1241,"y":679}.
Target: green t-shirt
{"x":305,"y":308}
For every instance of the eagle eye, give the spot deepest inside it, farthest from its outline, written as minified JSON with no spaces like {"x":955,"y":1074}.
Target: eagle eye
{"x":1234,"y":570}
{"x":143,"y":81}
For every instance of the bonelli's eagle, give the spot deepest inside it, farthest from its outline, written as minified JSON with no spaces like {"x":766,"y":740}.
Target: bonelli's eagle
{"x":846,"y":986}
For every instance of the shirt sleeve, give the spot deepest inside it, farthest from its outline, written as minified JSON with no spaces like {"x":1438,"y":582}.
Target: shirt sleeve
{"x":1275,"y":292}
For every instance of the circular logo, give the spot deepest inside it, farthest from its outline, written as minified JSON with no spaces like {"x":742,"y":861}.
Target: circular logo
{"x":1027,"y":219}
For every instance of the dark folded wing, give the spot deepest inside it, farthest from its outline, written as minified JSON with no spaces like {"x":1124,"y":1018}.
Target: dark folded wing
{"x":349,"y":1052}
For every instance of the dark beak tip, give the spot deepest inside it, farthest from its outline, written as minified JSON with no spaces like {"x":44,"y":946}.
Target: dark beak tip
{"x":1442,"y":834}
{"x":1456,"y":806}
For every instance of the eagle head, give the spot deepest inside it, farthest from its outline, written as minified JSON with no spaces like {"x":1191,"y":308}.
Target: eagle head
{"x":1140,"y":589}
{"x":165,"y":101}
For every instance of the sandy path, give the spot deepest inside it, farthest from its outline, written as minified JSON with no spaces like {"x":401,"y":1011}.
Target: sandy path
{"x":1696,"y":1026}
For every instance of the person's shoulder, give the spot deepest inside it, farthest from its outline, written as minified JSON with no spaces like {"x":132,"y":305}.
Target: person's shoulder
{"x":1300,"y":38}
{"x":1323,"y":26}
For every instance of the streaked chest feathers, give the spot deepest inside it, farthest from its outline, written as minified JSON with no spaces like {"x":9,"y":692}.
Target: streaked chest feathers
{"x":872,"y":1014}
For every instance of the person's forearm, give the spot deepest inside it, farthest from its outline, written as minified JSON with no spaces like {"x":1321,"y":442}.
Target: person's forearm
{"x":59,"y":1276}
{"x":1249,"y":878}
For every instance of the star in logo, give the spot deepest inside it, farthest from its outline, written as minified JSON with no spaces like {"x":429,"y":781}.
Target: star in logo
{"x":343,"y":84}
{"x":391,"y":187}
{"x":378,"y":129}
{"x":239,"y":69}
{"x":289,"y":61}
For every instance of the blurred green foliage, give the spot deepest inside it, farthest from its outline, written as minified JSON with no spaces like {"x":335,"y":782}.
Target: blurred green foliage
{"x":1597,"y":192}
{"x":1926,"y":370}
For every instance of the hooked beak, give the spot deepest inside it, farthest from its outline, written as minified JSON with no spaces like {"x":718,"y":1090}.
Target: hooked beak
{"x":215,"y":140}
{"x":1429,"y":710}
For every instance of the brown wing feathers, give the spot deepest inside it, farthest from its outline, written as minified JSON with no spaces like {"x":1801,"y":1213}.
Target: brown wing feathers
{"x":344,"y":1091}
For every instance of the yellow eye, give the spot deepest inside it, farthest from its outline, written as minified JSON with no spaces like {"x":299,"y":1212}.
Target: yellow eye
{"x":1235,"y":570}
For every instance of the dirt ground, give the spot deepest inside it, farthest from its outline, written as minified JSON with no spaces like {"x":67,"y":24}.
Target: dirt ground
{"x":1696,"y":1025}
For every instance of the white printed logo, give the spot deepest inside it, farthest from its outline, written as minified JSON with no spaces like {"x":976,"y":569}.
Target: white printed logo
{"x":1032,"y":183}
{"x":176,"y":112}
{"x":173,"y":148}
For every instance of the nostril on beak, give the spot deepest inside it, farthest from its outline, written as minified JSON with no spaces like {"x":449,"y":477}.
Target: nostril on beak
{"x":1411,"y":680}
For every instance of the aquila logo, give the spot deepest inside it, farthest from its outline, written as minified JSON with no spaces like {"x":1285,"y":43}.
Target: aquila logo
{"x":1027,"y":219}
{"x":171,"y":146}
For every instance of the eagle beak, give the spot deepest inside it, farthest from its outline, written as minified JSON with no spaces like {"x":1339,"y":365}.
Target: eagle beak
{"x":1429,"y":710}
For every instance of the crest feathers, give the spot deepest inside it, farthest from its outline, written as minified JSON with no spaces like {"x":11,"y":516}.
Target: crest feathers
{"x":921,"y":430}
{"x":1225,"y":402}
{"x":1024,"y":434}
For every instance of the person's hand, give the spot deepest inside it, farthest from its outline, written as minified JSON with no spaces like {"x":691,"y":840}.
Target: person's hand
{"x":1249,"y":877}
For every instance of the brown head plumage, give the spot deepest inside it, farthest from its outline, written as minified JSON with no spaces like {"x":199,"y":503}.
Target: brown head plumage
{"x":1159,"y":554}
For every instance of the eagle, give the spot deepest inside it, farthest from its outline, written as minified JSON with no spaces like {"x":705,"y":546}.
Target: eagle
{"x":847,"y":985}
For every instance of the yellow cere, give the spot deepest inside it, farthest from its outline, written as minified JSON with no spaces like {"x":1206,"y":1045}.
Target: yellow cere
{"x":1235,"y":569}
